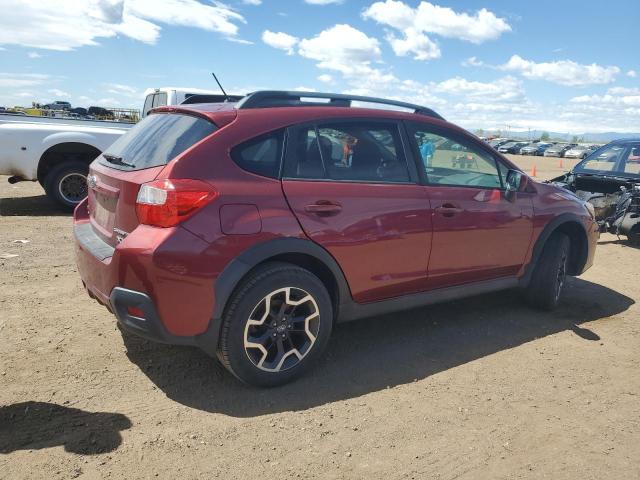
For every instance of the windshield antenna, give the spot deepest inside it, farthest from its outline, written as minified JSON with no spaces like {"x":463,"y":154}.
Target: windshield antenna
{"x":226,"y":97}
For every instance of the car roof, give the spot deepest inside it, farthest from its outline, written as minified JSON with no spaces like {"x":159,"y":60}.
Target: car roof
{"x":625,"y":140}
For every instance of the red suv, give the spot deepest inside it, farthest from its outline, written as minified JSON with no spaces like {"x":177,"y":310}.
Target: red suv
{"x":249,"y":229}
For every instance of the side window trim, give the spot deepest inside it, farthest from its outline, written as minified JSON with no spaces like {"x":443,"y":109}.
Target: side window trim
{"x":291,"y":132}
{"x":413,"y":126}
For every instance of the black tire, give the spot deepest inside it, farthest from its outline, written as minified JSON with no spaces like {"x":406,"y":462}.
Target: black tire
{"x":633,"y":237}
{"x":550,"y":274}
{"x":276,"y":363}
{"x":66,"y":184}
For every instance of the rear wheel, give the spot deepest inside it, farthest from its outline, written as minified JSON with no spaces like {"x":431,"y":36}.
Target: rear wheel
{"x":550,"y":273}
{"x":633,"y":237}
{"x":277,"y":325}
{"x":66,"y":183}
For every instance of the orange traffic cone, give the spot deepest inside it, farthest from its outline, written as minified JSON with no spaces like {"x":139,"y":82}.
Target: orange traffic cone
{"x":533,"y":172}
{"x":560,"y":163}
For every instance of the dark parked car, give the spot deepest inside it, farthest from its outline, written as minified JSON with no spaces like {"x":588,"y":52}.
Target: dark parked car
{"x":79,"y":111}
{"x":609,"y":179}
{"x":249,"y":229}
{"x":512,"y":147}
{"x":558,"y":150}
{"x":99,"y":112}
{"x":537,"y":149}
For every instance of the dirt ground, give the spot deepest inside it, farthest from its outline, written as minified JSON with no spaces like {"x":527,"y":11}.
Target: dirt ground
{"x":475,"y":389}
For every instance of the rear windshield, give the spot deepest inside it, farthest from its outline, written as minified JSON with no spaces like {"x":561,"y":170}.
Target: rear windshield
{"x":156,"y":140}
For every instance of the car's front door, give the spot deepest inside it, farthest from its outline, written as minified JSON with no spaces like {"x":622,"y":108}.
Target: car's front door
{"x":477,"y":233}
{"x":354,"y":193}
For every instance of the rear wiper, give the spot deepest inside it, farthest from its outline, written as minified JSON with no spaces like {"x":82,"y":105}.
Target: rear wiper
{"x":117,"y":160}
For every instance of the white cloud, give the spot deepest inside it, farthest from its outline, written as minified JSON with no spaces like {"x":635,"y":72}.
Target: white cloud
{"x":280,"y":40}
{"x":58,"y":93}
{"x":632,"y":74}
{"x":632,"y":100}
{"x":34,"y":55}
{"x":472,"y":62}
{"x":325,"y":78}
{"x":427,"y":18}
{"x":623,"y":91}
{"x":124,"y":90}
{"x":341,"y":48}
{"x":506,"y":89}
{"x":252,"y":2}
{"x":322,"y":2}
{"x":563,"y":72}
{"x":414,"y":42}
{"x":19,"y":80}
{"x":83,"y":22}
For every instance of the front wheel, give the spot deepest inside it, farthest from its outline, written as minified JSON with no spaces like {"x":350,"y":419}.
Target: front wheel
{"x":550,"y":273}
{"x":66,"y":184}
{"x":277,"y":325}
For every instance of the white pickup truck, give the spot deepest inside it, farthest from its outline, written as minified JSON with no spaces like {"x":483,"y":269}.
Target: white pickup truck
{"x":57,"y":151}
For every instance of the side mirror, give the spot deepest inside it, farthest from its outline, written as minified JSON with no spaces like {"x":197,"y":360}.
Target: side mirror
{"x":514,"y":183}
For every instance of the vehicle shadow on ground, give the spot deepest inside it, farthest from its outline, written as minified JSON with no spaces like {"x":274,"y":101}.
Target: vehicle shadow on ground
{"x":36,"y":425}
{"x":376,"y":353}
{"x":36,"y":206}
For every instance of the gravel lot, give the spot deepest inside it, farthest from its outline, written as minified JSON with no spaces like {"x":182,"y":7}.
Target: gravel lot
{"x":481,"y":388}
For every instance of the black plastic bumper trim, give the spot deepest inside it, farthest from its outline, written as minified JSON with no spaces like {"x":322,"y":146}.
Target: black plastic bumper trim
{"x":151,"y":327}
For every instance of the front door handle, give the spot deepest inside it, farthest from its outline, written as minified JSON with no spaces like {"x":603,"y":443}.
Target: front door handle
{"x":323,"y":208}
{"x":449,"y":210}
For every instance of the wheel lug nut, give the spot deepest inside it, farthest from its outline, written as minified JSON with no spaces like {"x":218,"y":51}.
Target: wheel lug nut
{"x":283,"y":335}
{"x":275,"y":335}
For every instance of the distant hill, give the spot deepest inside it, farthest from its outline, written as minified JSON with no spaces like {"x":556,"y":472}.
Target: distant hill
{"x":588,"y":137}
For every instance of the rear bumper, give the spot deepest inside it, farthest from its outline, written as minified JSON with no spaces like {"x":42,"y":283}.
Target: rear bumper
{"x":150,"y":326}
{"x":165,"y":271}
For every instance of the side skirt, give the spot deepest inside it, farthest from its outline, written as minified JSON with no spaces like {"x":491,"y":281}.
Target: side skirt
{"x":354,"y":311}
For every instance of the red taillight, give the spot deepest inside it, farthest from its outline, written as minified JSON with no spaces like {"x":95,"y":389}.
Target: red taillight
{"x":165,"y":203}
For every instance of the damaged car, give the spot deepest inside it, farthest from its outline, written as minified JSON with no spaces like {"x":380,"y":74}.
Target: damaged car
{"x":609,"y":179}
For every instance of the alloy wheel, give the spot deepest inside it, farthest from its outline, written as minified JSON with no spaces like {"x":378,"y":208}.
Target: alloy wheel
{"x":282,"y":329}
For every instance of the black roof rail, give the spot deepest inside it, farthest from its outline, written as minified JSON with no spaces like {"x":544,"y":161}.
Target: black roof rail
{"x":282,"y":98}
{"x":210,"y":98}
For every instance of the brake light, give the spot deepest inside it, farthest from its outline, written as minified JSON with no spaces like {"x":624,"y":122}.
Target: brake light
{"x":165,"y":203}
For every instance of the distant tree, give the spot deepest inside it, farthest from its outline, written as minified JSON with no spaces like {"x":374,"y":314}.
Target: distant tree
{"x":545,"y":136}
{"x":574,"y":139}
{"x":480,"y":132}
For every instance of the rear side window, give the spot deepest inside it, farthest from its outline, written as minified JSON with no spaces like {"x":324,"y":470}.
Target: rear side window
{"x":156,"y":140}
{"x":351,"y":151}
{"x":260,"y":155}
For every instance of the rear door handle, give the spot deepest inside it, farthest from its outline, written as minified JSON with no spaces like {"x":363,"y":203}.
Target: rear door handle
{"x":323,"y":208}
{"x":449,"y":210}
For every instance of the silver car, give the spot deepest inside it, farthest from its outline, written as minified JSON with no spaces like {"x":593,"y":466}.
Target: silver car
{"x":579,"y":151}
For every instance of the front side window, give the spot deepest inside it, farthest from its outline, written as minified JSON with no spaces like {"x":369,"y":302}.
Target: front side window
{"x":445,"y":161}
{"x":351,"y":151}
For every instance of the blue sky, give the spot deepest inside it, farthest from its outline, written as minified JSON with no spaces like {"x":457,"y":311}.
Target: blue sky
{"x":567,"y":66}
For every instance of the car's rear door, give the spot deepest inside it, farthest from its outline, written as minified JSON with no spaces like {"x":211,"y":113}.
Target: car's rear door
{"x":477,"y":233}
{"x":135,"y":158}
{"x":354,"y":193}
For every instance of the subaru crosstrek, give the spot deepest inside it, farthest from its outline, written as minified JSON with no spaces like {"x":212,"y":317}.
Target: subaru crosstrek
{"x":249,"y":229}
